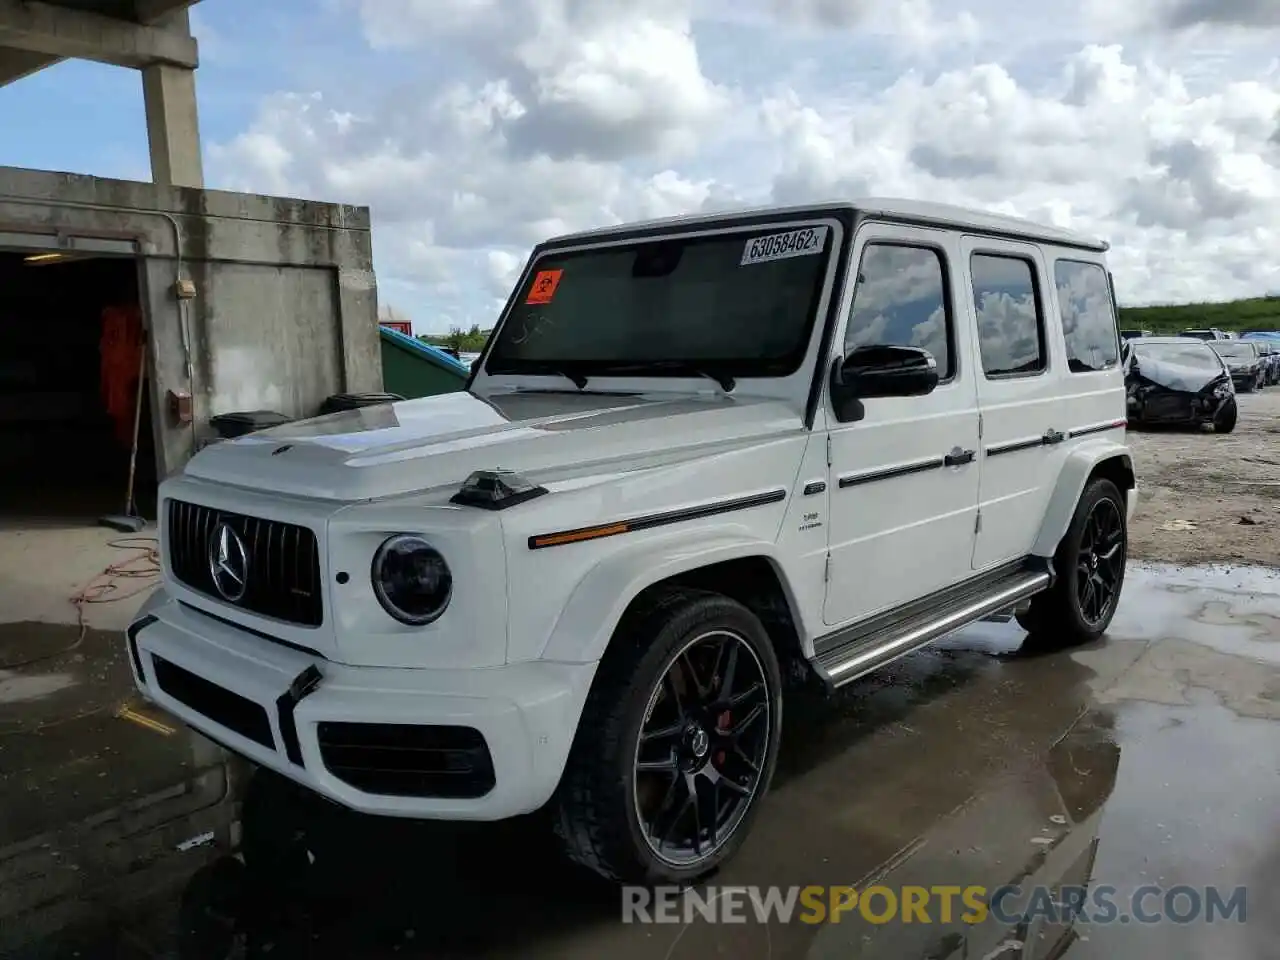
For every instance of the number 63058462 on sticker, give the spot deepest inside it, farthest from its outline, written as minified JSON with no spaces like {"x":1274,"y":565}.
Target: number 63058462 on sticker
{"x":804,"y":242}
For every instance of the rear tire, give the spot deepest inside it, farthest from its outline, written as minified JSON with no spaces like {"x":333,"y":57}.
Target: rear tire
{"x":686,"y":703}
{"x":1226,"y":419}
{"x":1090,"y":564}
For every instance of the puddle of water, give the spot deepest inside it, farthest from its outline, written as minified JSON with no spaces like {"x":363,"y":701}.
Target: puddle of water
{"x":1194,"y":804}
{"x":1234,"y":610}
{"x":33,"y":644}
{"x":20,"y":688}
{"x":975,"y":762}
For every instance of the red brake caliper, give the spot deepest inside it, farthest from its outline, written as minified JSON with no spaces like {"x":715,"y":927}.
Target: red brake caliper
{"x":723,"y":722}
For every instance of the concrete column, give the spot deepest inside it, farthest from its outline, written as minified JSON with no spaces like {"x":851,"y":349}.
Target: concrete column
{"x":173,"y":125}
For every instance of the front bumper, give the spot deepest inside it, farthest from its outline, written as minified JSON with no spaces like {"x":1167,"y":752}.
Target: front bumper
{"x":1174,"y":407}
{"x":517,"y":720}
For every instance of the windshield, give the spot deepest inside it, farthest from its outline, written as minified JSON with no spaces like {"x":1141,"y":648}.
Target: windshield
{"x":1183,"y":354}
{"x":1234,"y":350}
{"x":738,"y":304}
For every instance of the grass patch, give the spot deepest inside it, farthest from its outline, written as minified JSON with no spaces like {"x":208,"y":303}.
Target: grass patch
{"x":1255,"y":313}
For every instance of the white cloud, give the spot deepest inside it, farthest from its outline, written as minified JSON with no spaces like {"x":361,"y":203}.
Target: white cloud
{"x":600,"y":80}
{"x":1186,"y":14}
{"x":561,"y":114}
{"x":833,"y":13}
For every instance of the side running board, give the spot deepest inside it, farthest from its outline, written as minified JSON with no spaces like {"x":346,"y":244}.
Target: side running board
{"x":858,"y":650}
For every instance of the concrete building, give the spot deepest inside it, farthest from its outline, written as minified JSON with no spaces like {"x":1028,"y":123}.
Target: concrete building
{"x":151,"y":36}
{"x":244,"y":302}
{"x":223,"y":302}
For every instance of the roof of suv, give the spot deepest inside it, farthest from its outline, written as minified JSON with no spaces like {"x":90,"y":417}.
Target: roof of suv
{"x":923,"y":213}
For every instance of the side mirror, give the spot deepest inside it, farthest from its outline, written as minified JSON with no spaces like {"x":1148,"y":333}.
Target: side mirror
{"x":880,"y":370}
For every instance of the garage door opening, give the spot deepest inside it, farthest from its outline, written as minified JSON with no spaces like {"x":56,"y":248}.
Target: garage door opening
{"x":71,"y":335}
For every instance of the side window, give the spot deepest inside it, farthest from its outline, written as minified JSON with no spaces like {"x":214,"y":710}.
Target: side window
{"x":1010,"y":324}
{"x":901,"y":300}
{"x":1088,"y":315}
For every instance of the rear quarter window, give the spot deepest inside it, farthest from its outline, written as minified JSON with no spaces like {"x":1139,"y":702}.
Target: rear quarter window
{"x":1087,"y":314}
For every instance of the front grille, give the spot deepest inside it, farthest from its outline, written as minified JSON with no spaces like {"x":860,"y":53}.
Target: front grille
{"x":406,"y":760}
{"x":283,"y":575}
{"x":217,"y":703}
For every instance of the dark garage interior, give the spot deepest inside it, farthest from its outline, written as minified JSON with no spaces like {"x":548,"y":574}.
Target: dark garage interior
{"x":71,"y":338}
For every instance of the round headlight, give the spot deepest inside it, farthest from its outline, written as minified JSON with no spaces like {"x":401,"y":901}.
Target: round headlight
{"x":411,"y":579}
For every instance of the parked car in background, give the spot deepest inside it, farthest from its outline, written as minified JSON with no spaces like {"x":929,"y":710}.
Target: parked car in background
{"x":1270,"y":351}
{"x":1179,"y":380}
{"x":1208,"y":333}
{"x":1243,"y":360}
{"x":1134,"y":334}
{"x":1268,"y":342}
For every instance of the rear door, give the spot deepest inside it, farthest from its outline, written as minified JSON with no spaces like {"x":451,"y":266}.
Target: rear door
{"x":1019,"y":371}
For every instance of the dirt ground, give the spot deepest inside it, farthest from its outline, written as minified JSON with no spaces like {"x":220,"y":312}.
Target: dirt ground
{"x":1211,"y":497}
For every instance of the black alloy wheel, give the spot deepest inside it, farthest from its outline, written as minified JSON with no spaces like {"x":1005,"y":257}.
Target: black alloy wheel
{"x":702,"y":748}
{"x":677,"y":742}
{"x":1100,"y":561}
{"x":1090,"y":566}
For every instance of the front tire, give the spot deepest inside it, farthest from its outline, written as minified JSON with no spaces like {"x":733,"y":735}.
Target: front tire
{"x":1225,"y":421}
{"x":1090,"y":564}
{"x":677,"y":742}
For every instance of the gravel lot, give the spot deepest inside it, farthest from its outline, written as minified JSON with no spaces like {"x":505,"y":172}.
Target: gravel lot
{"x":1211,"y":497}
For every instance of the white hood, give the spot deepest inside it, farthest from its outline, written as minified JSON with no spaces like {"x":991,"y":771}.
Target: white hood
{"x":433,"y":442}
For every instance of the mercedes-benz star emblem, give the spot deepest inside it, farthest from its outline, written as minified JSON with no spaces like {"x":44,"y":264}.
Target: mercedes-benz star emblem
{"x":228,"y":562}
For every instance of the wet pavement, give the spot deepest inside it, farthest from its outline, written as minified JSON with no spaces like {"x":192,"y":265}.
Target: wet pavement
{"x":1151,"y":758}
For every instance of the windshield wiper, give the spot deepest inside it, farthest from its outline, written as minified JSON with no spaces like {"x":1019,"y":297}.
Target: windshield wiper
{"x":677,"y":367}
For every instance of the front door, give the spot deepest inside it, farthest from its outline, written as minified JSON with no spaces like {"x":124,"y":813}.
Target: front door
{"x":1024,"y":418}
{"x":902,"y":516}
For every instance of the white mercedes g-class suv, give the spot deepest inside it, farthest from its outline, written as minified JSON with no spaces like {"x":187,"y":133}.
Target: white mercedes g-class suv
{"x":698,"y":461}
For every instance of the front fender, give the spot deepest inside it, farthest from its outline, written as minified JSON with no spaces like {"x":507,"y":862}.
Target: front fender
{"x":1076,"y":468}
{"x":597,"y":603}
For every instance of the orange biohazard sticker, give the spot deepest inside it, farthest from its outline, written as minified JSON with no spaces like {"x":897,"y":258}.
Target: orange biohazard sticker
{"x":544,"y":286}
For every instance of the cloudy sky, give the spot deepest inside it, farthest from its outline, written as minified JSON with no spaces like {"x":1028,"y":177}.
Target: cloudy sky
{"x":475,"y":127}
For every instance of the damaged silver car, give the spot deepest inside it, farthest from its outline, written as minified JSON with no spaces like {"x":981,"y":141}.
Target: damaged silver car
{"x":1178,"y":380}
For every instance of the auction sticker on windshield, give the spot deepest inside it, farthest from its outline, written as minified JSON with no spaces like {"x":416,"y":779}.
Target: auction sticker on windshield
{"x":782,"y":246}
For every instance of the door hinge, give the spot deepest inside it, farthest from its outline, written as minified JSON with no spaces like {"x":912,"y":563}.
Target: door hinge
{"x":977,"y":522}
{"x":828,"y":449}
{"x":979,"y":426}
{"x":826,"y":570}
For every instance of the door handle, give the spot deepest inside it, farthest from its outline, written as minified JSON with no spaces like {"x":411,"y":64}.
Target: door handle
{"x":958,"y":457}
{"x":1053,"y":436}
